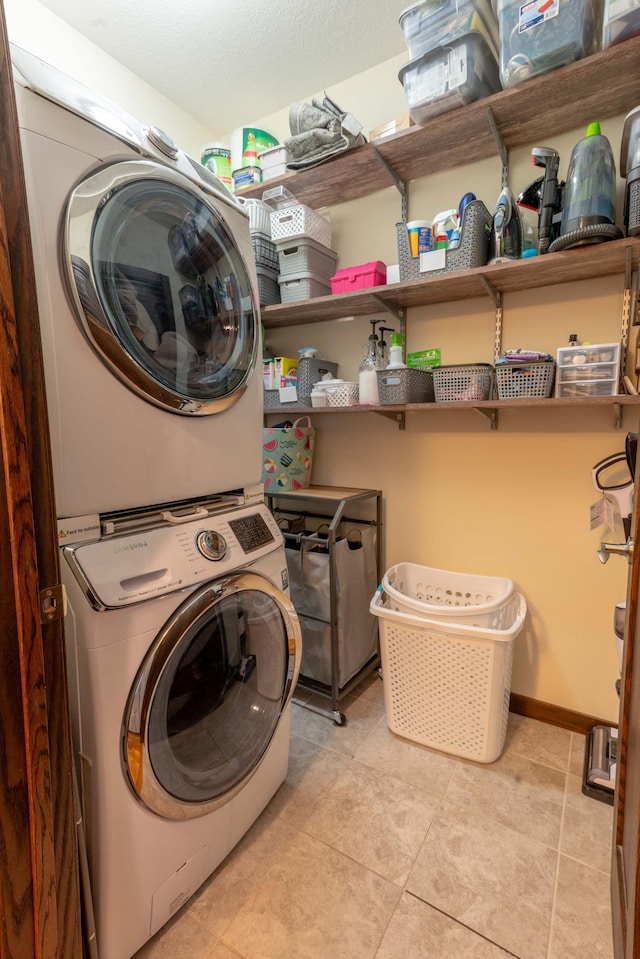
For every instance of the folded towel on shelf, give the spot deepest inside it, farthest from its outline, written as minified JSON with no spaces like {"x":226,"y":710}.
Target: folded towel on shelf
{"x":320,"y":130}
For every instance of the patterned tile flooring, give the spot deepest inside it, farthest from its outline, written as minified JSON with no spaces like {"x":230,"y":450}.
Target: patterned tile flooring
{"x":377,"y":848}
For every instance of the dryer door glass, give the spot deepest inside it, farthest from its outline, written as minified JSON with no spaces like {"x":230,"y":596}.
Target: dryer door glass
{"x":207,"y":703}
{"x":162,"y":287}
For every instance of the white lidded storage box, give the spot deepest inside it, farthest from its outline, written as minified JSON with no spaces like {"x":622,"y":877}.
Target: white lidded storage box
{"x":443,"y":594}
{"x":447,"y":685}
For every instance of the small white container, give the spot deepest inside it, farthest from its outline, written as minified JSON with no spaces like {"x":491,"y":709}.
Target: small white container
{"x":273,"y":162}
{"x":318,"y":398}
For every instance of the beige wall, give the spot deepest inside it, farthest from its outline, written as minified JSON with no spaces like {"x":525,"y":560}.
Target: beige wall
{"x":512,"y":502}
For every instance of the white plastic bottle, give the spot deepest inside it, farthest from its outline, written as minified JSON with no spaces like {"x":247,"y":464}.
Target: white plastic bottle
{"x":396,"y":359}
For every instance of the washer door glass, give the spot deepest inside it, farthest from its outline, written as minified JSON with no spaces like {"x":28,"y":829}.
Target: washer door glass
{"x":161,"y":286}
{"x":209,"y":695}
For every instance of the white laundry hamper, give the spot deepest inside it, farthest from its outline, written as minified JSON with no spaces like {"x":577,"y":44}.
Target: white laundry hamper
{"x":447,"y":684}
{"x":444,"y":594}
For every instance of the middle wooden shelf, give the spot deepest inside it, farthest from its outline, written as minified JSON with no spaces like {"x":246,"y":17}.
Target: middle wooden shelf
{"x":583,"y":263}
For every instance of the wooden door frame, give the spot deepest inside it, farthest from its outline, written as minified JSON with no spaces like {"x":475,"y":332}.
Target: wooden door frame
{"x":39,"y":885}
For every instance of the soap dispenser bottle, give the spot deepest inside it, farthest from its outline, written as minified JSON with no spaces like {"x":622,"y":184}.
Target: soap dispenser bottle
{"x":367,"y":376}
{"x":396,"y":360}
{"x":383,"y":355}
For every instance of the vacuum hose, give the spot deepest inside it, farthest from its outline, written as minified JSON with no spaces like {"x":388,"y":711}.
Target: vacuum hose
{"x":587,"y":234}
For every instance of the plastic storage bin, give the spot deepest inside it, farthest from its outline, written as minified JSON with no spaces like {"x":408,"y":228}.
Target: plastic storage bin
{"x":405,"y":386}
{"x":305,"y":256}
{"x":450,"y":76}
{"x":444,"y":594}
{"x":588,"y":370}
{"x":540,"y":36}
{"x":268,"y":287}
{"x":264,"y":251}
{"x":434,"y":23}
{"x":310,"y":371}
{"x":447,"y":684}
{"x":302,"y":286}
{"x":273,"y":162}
{"x":525,"y":379}
{"x":300,"y":221}
{"x":259,"y":215}
{"x":359,"y":277}
{"x":621,"y":21}
{"x":453,"y":384}
{"x":473,"y":249}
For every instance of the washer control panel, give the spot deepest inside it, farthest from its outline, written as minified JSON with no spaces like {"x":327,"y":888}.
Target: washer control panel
{"x":127,"y":569}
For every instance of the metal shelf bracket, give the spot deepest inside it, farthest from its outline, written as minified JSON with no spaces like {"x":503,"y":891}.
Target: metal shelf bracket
{"x":617,"y":416}
{"x":397,"y":415}
{"x":502,"y":150}
{"x":490,"y":413}
{"x":399,"y":183}
{"x":397,"y":312}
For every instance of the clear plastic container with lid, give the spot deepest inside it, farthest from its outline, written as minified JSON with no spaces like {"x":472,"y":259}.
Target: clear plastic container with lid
{"x":541,"y":35}
{"x":432,"y":23}
{"x":450,"y":76}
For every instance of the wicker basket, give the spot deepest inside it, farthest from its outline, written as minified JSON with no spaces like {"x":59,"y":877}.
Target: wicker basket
{"x":472,"y":251}
{"x":463,"y":382}
{"x":405,"y":386}
{"x":346,"y":394}
{"x":525,"y":379}
{"x":301,"y":221}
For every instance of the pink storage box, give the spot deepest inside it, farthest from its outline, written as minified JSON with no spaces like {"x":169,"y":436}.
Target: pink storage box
{"x":359,"y":277}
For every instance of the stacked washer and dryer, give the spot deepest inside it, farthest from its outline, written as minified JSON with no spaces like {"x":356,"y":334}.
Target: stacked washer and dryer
{"x":183,"y":647}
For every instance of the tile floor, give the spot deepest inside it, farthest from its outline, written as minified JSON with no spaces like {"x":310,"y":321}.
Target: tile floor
{"x":376,"y":848}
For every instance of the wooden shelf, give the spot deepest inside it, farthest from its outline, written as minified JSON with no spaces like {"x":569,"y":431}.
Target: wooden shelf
{"x":583,"y":263}
{"x":488,"y":408}
{"x":602,"y":85}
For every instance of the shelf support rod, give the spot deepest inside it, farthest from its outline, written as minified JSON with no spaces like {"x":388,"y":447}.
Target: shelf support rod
{"x":490,"y":414}
{"x":502,"y":150}
{"x":617,"y":416}
{"x":399,"y":183}
{"x":396,"y":311}
{"x":496,"y":296}
{"x":627,"y":299}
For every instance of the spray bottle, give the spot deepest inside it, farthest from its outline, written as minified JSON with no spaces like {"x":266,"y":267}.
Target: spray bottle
{"x":367,"y":376}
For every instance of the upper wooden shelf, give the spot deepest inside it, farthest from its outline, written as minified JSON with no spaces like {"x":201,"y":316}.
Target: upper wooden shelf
{"x":582,"y":263}
{"x":602,"y":85}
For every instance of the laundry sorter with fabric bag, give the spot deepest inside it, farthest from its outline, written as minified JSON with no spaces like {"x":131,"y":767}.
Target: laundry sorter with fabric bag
{"x":333,"y":548}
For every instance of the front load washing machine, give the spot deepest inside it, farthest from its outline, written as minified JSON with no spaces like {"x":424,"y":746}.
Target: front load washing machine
{"x":147,"y":294}
{"x":183,"y":651}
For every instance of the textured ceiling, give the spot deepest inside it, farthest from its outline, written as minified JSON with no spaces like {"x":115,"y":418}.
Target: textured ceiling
{"x":228,"y":62}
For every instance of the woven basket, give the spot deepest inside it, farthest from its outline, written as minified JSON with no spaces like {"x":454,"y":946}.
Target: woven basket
{"x":525,"y":379}
{"x":472,"y":251}
{"x":453,"y":384}
{"x":405,"y":386}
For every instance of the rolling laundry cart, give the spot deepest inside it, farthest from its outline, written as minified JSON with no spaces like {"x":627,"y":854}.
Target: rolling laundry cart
{"x":333,"y":545}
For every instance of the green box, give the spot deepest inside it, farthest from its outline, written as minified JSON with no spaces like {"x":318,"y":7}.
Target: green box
{"x":424,"y":359}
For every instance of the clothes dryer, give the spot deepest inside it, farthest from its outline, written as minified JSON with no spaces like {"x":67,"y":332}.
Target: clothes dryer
{"x":147,"y":295}
{"x":183,"y":651}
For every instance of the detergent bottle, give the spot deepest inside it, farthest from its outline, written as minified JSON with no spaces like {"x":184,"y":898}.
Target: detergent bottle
{"x":367,"y":375}
{"x":396,"y":361}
